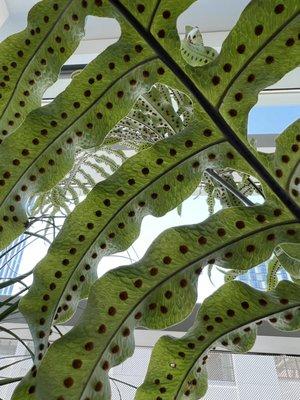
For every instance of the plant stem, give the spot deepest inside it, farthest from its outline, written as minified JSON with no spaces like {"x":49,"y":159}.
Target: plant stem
{"x":124,"y":383}
{"x":256,"y":187}
{"x":229,"y":187}
{"x":9,"y":310}
{"x":8,"y":381}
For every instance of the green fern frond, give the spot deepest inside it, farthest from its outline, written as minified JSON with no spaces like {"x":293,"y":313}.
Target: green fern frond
{"x":88,"y":170}
{"x":156,"y":115}
{"x":272,"y":278}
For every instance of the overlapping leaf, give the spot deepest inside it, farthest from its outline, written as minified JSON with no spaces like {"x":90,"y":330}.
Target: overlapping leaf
{"x":227,"y":318}
{"x":43,"y":160}
{"x":203,"y":85}
{"x":156,"y":115}
{"x":152,"y":182}
{"x":157,"y":292}
{"x":90,"y":167}
{"x":216,"y":191}
{"x":31,"y":60}
{"x":272,"y":278}
{"x":89,"y":108}
{"x":193,"y":50}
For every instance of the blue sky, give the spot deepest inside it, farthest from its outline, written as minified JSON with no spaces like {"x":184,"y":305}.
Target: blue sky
{"x":272,"y":119}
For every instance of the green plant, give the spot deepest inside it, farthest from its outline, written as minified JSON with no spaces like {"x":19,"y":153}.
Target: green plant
{"x":161,"y":113}
{"x":159,"y":290}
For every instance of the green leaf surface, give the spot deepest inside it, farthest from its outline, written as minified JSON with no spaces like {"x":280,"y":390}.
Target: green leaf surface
{"x":90,"y":167}
{"x":31,"y":60}
{"x":196,"y":82}
{"x":272,"y":278}
{"x":34,"y":163}
{"x":156,"y":292}
{"x":215,"y":190}
{"x":152,"y":182}
{"x":224,"y":319}
{"x":156,"y":115}
{"x":193,"y":50}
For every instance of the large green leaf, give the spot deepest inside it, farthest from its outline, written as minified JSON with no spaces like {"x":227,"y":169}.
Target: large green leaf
{"x":40,"y":166}
{"x":156,"y":292}
{"x":148,"y":51}
{"x":104,"y":91}
{"x":175,"y":167}
{"x":287,"y":160}
{"x":226,"y":319}
{"x":156,"y":115}
{"x":31,"y":60}
{"x":152,"y":182}
{"x":262,"y":47}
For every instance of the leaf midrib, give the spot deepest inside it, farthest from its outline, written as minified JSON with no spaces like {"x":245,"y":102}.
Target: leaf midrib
{"x":161,"y":283}
{"x":211,"y":111}
{"x":34,"y":54}
{"x":228,"y":331}
{"x":60,"y":134}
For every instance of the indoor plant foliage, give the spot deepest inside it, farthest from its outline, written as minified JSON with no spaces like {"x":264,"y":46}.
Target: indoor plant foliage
{"x":38,"y":147}
{"x":158,"y":114}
